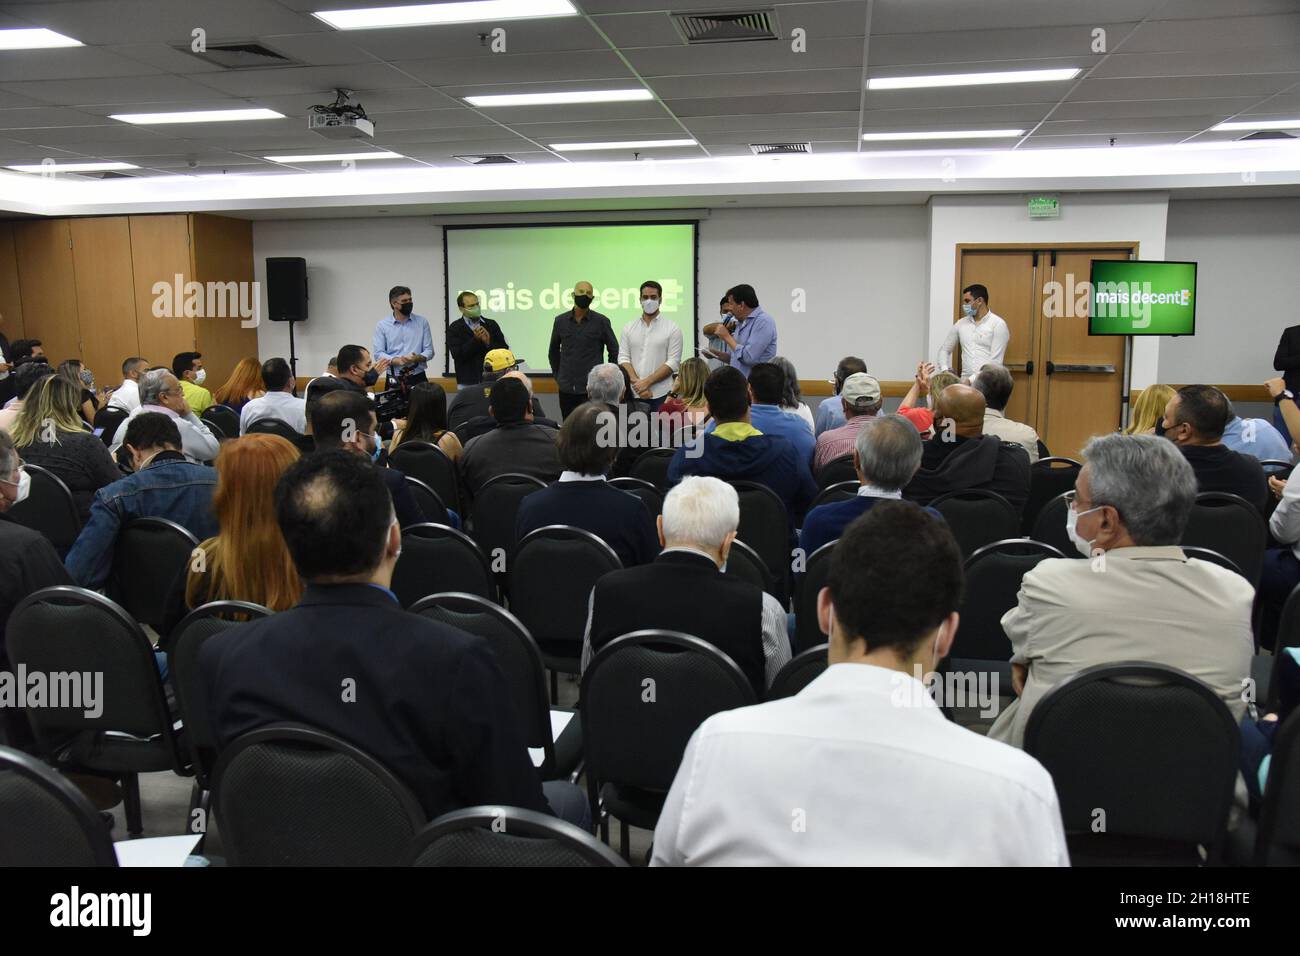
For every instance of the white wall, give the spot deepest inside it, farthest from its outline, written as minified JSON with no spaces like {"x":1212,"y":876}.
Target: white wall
{"x":1093,"y":217}
{"x":1248,"y":251}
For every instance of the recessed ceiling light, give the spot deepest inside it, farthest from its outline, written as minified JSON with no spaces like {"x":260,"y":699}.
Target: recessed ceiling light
{"x":197,"y":116}
{"x":552,"y":99}
{"x":428,"y":14}
{"x":34,"y":39}
{"x":626,"y":144}
{"x":1256,"y":124}
{"x":70,"y":167}
{"x":970,"y":79}
{"x":953,"y":134}
{"x":334,"y":157}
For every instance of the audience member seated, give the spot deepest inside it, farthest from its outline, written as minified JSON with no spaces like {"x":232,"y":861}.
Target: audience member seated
{"x":960,"y":456}
{"x":928,"y":383}
{"x":24,"y":376}
{"x":49,"y":432}
{"x":830,"y":413}
{"x":482,"y":424}
{"x":1255,"y":437}
{"x":1194,"y":421}
{"x":860,"y":404}
{"x":737,"y":451}
{"x":791,"y":395}
{"x":277,"y":399}
{"x":427,"y":701}
{"x":1139,"y":598}
{"x":766,"y":387}
{"x":189,"y":371}
{"x":517,"y":445}
{"x":862,"y":767}
{"x":164,"y":484}
{"x":885,"y":456}
{"x":84,"y":381}
{"x":161,"y":393}
{"x":685,"y":406}
{"x":244,"y":385}
{"x":994,"y":382}
{"x":609,"y":384}
{"x":583,"y":499}
{"x":355,"y":373}
{"x":345,"y":420}
{"x":471,"y":402}
{"x":685,"y":590}
{"x":247,"y":560}
{"x":126,"y":397}
{"x":1147,"y":409}
{"x":1258,"y":736}
{"x":426,"y":420}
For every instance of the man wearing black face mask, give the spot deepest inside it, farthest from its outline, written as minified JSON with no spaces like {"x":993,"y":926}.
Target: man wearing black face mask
{"x":356,"y":373}
{"x":403,"y":339}
{"x":579,"y":340}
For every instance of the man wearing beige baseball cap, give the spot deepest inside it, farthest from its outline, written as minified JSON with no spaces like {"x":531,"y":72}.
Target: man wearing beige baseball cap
{"x":860,"y":399}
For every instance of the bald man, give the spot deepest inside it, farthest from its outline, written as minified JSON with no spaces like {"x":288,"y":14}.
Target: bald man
{"x":578,"y":339}
{"x":471,"y":428}
{"x":960,"y":456}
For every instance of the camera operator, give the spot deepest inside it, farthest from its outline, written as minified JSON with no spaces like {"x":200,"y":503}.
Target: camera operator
{"x":403,"y":339}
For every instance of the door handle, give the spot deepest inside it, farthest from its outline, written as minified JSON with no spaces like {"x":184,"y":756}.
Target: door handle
{"x":1029,"y":367}
{"x":1094,"y":369}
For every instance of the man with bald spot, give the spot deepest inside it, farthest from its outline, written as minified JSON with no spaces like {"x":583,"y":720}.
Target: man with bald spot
{"x":482,"y":424}
{"x":960,"y":456}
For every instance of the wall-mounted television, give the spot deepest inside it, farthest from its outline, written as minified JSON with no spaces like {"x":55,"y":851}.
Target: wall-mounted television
{"x":1142,"y":298}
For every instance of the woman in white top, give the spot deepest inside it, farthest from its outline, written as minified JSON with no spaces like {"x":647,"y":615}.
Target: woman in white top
{"x":792,"y":401}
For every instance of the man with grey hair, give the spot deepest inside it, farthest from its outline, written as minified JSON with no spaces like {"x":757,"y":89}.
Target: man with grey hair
{"x":994,"y":382}
{"x":160,"y":391}
{"x":885,"y":456}
{"x":1139,"y":598}
{"x":685,"y":589}
{"x":605,"y":384}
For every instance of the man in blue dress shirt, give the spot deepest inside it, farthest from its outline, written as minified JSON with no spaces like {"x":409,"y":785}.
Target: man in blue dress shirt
{"x":404,"y":339}
{"x":755,"y":338}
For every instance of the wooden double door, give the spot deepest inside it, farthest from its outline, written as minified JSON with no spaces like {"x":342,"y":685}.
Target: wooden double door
{"x":1068,"y":385}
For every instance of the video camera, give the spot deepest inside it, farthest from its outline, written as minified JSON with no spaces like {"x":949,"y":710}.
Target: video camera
{"x":395,"y":400}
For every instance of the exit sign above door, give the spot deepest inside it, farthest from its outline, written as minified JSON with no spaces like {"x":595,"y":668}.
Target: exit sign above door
{"x":1044,"y":207}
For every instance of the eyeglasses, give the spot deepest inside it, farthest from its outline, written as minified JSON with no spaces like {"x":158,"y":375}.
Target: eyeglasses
{"x":18,"y":470}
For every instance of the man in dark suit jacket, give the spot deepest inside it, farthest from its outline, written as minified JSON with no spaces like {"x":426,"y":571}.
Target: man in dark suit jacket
{"x":517,"y":445}
{"x":583,"y":499}
{"x":1194,"y":421}
{"x":426,"y":700}
{"x":470,"y":338}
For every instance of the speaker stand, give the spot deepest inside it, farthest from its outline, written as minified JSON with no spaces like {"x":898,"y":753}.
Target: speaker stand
{"x":293,"y":356}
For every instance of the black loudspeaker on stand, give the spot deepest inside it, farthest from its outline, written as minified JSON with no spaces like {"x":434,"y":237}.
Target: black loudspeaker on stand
{"x":286,"y":296}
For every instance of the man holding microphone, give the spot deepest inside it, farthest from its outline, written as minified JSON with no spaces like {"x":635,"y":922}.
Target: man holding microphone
{"x":404,"y":339}
{"x":470,"y":338}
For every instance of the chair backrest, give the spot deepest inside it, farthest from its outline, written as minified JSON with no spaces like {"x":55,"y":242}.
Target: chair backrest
{"x":430,"y":502}
{"x":840,"y":491}
{"x":800,"y":671}
{"x":765,"y":527}
{"x":807,"y":632}
{"x":1048,"y":477}
{"x":1152,"y":746}
{"x":107,"y":421}
{"x":836,"y":472}
{"x":1049,"y":527}
{"x":274,"y":426}
{"x":652,"y":466}
{"x":49,"y":509}
{"x":99,"y":648}
{"x":551,"y":577}
{"x":977,"y":517}
{"x":508,"y":837}
{"x":495,"y":510}
{"x":517,"y":652}
{"x":1042,"y":451}
{"x":648,"y":493}
{"x":1278,"y":838}
{"x":993,"y":575}
{"x":1205,"y":554}
{"x":149,"y":554}
{"x":429,"y":463}
{"x":436,"y":558}
{"x":289,"y":795}
{"x":1276,"y":467}
{"x":183,"y":645}
{"x":744,"y":562}
{"x":45,"y":820}
{"x":226,"y":420}
{"x":1288,"y":635}
{"x":1232,"y":526}
{"x":631,"y":741}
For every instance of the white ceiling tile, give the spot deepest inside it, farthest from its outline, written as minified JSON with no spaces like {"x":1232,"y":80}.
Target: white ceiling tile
{"x":755,"y":84}
{"x":516,"y":68}
{"x":306,"y":79}
{"x":910,"y":16}
{"x":117,"y":92}
{"x":1176,"y":87}
{"x":170,"y":21}
{"x":1215,"y":35}
{"x":1227,"y":62}
{"x":787,"y":103}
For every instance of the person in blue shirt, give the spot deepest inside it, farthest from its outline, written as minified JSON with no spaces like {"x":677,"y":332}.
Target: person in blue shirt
{"x":1257,"y":438}
{"x":830,"y":413}
{"x":754,"y":340}
{"x":404,"y":339}
{"x":766,"y":386}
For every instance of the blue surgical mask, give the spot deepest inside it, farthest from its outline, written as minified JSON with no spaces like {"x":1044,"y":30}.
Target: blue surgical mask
{"x":969,"y":309}
{"x":379,"y":447}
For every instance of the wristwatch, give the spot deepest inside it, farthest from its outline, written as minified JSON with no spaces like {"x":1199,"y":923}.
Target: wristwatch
{"x":1285,"y":393}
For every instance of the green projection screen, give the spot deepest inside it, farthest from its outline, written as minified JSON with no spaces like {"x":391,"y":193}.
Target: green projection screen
{"x":524,"y":276}
{"x":1142,"y":298}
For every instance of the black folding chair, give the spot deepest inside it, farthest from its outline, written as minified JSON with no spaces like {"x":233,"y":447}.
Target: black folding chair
{"x":1205,"y":554}
{"x":1152,"y":748}
{"x":149,"y":554}
{"x":551,"y":577}
{"x":1049,"y":527}
{"x":841,"y":491}
{"x":495,"y":511}
{"x":275,"y":426}
{"x":1278,"y":840}
{"x":648,"y":493}
{"x":652,"y":466}
{"x":1048,"y":477}
{"x":1288,"y":635}
{"x":107,"y":422}
{"x":977,"y":517}
{"x":743,"y":562}
{"x":1232,"y":526}
{"x":45,"y":820}
{"x":226,"y":419}
{"x":431,"y":504}
{"x":508,"y":837}
{"x":807,"y":632}
{"x":837,"y":471}
{"x":49,"y":509}
{"x":129,"y":729}
{"x":800,"y":671}
{"x":1276,"y":467}
{"x":429,"y":463}
{"x":765,"y":527}
{"x":633,"y":746}
{"x":435,"y":559}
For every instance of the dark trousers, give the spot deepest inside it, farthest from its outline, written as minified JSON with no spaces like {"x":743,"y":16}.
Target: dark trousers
{"x":568,"y":802}
{"x":1280,"y":575}
{"x":569,"y":401}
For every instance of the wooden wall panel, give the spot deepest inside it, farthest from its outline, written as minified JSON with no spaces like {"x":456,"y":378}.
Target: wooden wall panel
{"x":223,"y":252}
{"x":47,"y":284}
{"x":101,"y":259}
{"x":160,"y":250}
{"x":11,"y":303}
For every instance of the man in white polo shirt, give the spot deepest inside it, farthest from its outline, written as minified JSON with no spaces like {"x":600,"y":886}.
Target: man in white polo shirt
{"x":650,"y":350}
{"x":983,"y":335}
{"x":861,"y":767}
{"x":279,"y":400}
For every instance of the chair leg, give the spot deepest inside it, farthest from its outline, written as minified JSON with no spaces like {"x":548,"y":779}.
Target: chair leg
{"x":623,"y":847}
{"x":200,"y":800}
{"x":131,"y":799}
{"x":555,"y":689}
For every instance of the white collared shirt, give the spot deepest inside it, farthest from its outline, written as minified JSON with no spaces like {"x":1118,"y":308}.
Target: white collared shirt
{"x":647,"y":346}
{"x":282,"y":405}
{"x":860,"y":768}
{"x":579,"y":476}
{"x":981,"y":342}
{"x":126,"y":396}
{"x":198,"y":444}
{"x":871,"y":491}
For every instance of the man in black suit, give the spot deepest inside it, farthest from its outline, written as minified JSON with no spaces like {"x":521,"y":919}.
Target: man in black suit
{"x":470,"y":338}
{"x":1194,"y":420}
{"x":426,"y":700}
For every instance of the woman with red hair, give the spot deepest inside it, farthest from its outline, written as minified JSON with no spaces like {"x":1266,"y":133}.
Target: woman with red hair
{"x":244,"y":384}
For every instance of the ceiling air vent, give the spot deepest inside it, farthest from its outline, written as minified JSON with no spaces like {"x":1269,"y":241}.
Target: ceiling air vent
{"x":239,"y":56}
{"x":1266,"y":134}
{"x":777,"y":149}
{"x":731,"y":27}
{"x":490,"y":159}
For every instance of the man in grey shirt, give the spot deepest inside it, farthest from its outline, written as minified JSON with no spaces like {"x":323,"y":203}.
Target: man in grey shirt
{"x":516,"y":446}
{"x":579,"y":340}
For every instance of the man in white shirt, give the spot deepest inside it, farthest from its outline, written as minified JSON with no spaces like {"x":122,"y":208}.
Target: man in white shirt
{"x":994,"y":382}
{"x":160,"y":391}
{"x":861,"y":767}
{"x":279,"y":400}
{"x":651,"y":349}
{"x":126,"y":397}
{"x":983,"y":335}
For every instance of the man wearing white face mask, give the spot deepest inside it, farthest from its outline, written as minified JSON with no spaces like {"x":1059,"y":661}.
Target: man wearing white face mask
{"x":1138,"y":597}
{"x":650,"y":350}
{"x":189,"y":371}
{"x":983,"y":335}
